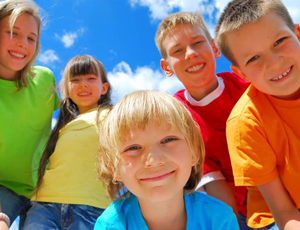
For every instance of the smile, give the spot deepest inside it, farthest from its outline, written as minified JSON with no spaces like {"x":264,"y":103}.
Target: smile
{"x":282,"y":75}
{"x":157,"y":178}
{"x":17,"y":55}
{"x":84,"y":94}
{"x":195,"y":68}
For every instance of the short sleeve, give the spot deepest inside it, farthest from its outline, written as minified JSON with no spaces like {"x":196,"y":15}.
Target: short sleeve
{"x":253,"y":160}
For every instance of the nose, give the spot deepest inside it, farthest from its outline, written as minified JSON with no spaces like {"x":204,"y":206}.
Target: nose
{"x":22,"y":42}
{"x":83,"y":83}
{"x":273,"y":59}
{"x":190,"y":53}
{"x":155,"y":157}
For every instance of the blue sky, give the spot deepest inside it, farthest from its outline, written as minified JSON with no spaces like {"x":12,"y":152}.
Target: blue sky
{"x":120,"y":33}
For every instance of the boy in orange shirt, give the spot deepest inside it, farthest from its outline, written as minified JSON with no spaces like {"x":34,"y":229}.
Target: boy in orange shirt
{"x":189,"y":52}
{"x":263,"y":130}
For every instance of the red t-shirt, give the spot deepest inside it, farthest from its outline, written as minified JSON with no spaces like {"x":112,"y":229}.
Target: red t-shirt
{"x":212,"y":121}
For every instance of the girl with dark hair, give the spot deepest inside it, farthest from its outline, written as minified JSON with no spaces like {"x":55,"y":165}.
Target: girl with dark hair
{"x":68,"y":194}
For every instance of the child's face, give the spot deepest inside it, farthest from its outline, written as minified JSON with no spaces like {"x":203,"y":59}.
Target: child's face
{"x":17,"y":51}
{"x":86,"y":90}
{"x":155,"y":163}
{"x":190,"y":56}
{"x":267,"y":53}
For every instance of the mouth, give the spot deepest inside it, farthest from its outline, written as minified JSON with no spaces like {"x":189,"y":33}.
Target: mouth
{"x":17,"y":55}
{"x":285,"y":74}
{"x":195,"y":68}
{"x":158,"y":177}
{"x":84,"y":94}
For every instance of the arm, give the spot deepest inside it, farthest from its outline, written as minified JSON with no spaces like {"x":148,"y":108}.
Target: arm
{"x":4,"y":221}
{"x":281,"y":205}
{"x":222,"y":191}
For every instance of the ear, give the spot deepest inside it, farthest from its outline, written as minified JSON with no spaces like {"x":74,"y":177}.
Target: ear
{"x":297,"y":31}
{"x":164,"y":65}
{"x":239,"y":72}
{"x":215,"y":48}
{"x":105,"y":87}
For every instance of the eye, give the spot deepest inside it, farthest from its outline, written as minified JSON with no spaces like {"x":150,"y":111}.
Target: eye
{"x":168,"y":140}
{"x":92,"y":78}
{"x":132,"y":148}
{"x":74,"y":80}
{"x":279,"y":41}
{"x":177,"y":51}
{"x":197,"y":42}
{"x":252,"y":59}
{"x":31,"y":39}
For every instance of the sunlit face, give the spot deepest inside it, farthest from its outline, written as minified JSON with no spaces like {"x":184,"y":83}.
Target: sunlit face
{"x":155,"y":163}
{"x":190,"y":56}
{"x":17,"y":50}
{"x":86,"y":90}
{"x":267,"y":53}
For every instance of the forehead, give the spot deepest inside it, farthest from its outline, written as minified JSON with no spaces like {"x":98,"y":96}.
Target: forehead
{"x":181,"y":33}
{"x":256,"y":36}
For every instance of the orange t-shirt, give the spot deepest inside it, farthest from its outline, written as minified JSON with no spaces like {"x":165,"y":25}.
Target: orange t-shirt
{"x":263,"y":135}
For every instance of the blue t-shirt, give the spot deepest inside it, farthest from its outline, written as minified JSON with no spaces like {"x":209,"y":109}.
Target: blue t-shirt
{"x":203,"y":212}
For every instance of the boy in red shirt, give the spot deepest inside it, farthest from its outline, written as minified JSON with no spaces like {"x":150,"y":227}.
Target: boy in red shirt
{"x":189,"y":52}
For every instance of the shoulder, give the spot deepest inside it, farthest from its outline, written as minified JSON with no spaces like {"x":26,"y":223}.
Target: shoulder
{"x":222,"y":218}
{"x":208,"y":203}
{"x":43,"y":75}
{"x":250,"y":104}
{"x":180,"y":95}
{"x":113,"y":217}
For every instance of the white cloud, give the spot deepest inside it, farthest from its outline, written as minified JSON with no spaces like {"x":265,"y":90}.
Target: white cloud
{"x":161,"y":8}
{"x":125,"y":81}
{"x":68,"y":38}
{"x":47,"y":57}
{"x":53,"y":123}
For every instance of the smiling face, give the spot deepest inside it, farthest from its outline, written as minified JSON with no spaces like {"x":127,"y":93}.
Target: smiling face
{"x":191,"y":57}
{"x":155,"y":163}
{"x":86,"y":90}
{"x":267,"y":54}
{"x":17,"y":50}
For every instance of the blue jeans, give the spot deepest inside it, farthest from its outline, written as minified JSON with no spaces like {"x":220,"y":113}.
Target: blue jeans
{"x":11,"y":203}
{"x":243,"y":222}
{"x":56,"y":216}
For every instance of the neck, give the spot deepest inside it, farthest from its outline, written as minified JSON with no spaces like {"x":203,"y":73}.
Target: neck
{"x":8,"y":75}
{"x":198,"y":93}
{"x":167,"y":215}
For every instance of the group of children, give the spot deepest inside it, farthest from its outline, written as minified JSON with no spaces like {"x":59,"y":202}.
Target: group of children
{"x":235,"y":135}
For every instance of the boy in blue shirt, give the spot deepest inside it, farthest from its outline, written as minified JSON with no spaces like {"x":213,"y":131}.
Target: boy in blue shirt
{"x":151,"y":144}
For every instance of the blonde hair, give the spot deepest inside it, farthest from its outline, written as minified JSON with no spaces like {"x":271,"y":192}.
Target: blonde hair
{"x":240,"y":12}
{"x":137,"y":110}
{"x":170,"y":22}
{"x":14,"y":8}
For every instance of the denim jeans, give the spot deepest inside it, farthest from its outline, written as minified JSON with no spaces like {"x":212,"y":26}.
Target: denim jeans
{"x":243,"y":222}
{"x":56,"y":216}
{"x":11,"y":203}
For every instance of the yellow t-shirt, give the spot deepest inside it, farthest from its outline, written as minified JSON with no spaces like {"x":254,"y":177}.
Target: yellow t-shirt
{"x":263,"y":135}
{"x":71,"y":177}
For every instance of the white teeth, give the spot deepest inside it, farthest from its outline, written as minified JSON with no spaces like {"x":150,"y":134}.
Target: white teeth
{"x":84,"y":94}
{"x":281,"y":76}
{"x":17,"y":55}
{"x":195,"y":68}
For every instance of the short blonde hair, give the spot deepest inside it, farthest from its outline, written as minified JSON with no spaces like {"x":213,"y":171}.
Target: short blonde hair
{"x":137,"y":110}
{"x":170,"y":22}
{"x":14,"y":8}
{"x":240,"y":12}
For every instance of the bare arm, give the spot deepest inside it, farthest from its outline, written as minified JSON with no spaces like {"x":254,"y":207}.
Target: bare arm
{"x":222,"y":191}
{"x":281,"y":205}
{"x":3,"y":224}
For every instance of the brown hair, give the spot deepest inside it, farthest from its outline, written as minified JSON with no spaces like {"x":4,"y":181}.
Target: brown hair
{"x":240,"y":12}
{"x":137,"y":110}
{"x":14,"y":8}
{"x":170,"y":22}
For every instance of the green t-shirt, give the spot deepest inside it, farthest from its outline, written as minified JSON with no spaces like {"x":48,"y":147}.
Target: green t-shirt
{"x":25,"y":126}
